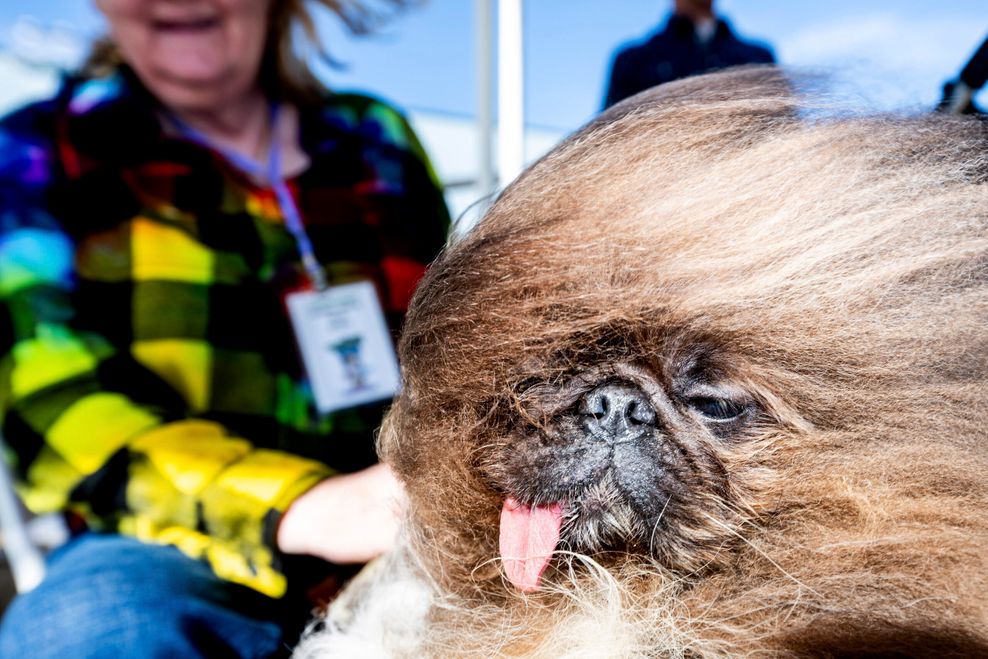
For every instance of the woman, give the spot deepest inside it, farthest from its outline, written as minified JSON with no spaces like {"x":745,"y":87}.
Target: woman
{"x":157,"y":217}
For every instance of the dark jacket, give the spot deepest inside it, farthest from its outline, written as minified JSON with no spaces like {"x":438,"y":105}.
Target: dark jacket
{"x":975,"y":72}
{"x":675,"y":52}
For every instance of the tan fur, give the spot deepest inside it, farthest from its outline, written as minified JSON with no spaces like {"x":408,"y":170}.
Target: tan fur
{"x":838,"y":270}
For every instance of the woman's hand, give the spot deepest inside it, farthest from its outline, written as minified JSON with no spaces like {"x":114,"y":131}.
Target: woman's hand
{"x":350,"y":518}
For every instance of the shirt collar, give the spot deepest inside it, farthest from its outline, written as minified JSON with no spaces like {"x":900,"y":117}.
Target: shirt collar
{"x":115,"y":120}
{"x":682,"y":27}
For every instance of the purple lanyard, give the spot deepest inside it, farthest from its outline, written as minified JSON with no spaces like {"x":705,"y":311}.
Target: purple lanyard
{"x":272,"y":175}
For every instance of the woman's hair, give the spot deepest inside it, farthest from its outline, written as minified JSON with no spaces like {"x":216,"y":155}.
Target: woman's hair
{"x":285,"y":71}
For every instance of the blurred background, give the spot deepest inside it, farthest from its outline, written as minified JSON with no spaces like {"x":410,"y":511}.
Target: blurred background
{"x":888,"y":53}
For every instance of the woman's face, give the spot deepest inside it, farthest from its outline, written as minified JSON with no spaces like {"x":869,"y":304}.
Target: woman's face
{"x":191,"y":54}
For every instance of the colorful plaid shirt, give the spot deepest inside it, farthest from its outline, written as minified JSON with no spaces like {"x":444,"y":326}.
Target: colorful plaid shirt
{"x":149,"y":379}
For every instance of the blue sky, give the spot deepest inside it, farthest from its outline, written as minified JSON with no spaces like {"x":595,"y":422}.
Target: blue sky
{"x":893,"y":53}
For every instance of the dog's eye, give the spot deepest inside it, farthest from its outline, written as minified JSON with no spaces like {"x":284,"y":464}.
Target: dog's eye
{"x":718,"y":409}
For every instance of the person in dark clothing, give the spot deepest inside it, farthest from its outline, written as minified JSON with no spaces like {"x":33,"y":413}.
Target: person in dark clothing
{"x":693,"y":41}
{"x":958,"y":94}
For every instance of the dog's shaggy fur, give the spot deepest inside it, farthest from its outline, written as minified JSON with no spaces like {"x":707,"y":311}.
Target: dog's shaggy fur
{"x":804,"y":299}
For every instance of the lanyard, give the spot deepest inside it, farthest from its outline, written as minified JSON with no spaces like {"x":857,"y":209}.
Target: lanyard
{"x":272,"y":175}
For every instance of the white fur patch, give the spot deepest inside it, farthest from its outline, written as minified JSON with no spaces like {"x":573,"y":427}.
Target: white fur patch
{"x":381,"y":613}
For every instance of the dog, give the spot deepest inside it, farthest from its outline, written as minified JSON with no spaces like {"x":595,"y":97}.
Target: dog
{"x":707,"y":380}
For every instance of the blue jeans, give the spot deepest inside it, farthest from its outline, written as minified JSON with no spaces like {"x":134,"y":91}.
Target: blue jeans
{"x":114,"y":597}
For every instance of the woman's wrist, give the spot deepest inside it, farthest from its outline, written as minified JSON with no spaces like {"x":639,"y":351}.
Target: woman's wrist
{"x":349,"y":518}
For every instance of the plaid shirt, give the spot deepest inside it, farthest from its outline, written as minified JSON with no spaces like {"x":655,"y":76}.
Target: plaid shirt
{"x":149,"y":379}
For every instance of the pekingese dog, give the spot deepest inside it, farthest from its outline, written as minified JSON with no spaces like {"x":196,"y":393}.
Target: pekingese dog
{"x":708,"y":380}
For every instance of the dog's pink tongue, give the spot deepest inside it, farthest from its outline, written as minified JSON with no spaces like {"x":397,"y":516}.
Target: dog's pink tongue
{"x":528,"y":538}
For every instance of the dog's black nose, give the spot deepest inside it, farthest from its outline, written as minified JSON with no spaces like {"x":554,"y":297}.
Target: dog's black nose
{"x":617,"y":412}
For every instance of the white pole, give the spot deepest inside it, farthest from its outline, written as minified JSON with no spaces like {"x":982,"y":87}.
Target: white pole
{"x":484,"y":59}
{"x":510,"y":89}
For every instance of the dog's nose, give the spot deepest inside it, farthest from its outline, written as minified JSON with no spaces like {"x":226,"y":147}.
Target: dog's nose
{"x":617,"y":412}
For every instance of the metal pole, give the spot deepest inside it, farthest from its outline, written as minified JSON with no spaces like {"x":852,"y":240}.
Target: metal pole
{"x":510,"y":89}
{"x":484,"y":59}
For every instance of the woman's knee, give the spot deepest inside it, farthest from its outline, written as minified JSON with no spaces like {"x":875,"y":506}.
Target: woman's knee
{"x":113,"y":596}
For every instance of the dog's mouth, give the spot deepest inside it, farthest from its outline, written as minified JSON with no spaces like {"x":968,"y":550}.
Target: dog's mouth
{"x":598,"y":519}
{"x":527,"y":541}
{"x":566,"y":491}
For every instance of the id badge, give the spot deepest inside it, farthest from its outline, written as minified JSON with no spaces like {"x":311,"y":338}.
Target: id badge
{"x":345,"y":344}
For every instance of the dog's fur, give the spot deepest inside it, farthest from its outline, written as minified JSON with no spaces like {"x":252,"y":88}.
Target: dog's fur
{"x":830,"y":274}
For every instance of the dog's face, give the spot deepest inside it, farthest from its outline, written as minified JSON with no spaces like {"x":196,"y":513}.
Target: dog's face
{"x":626,"y":457}
{"x":711,"y":343}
